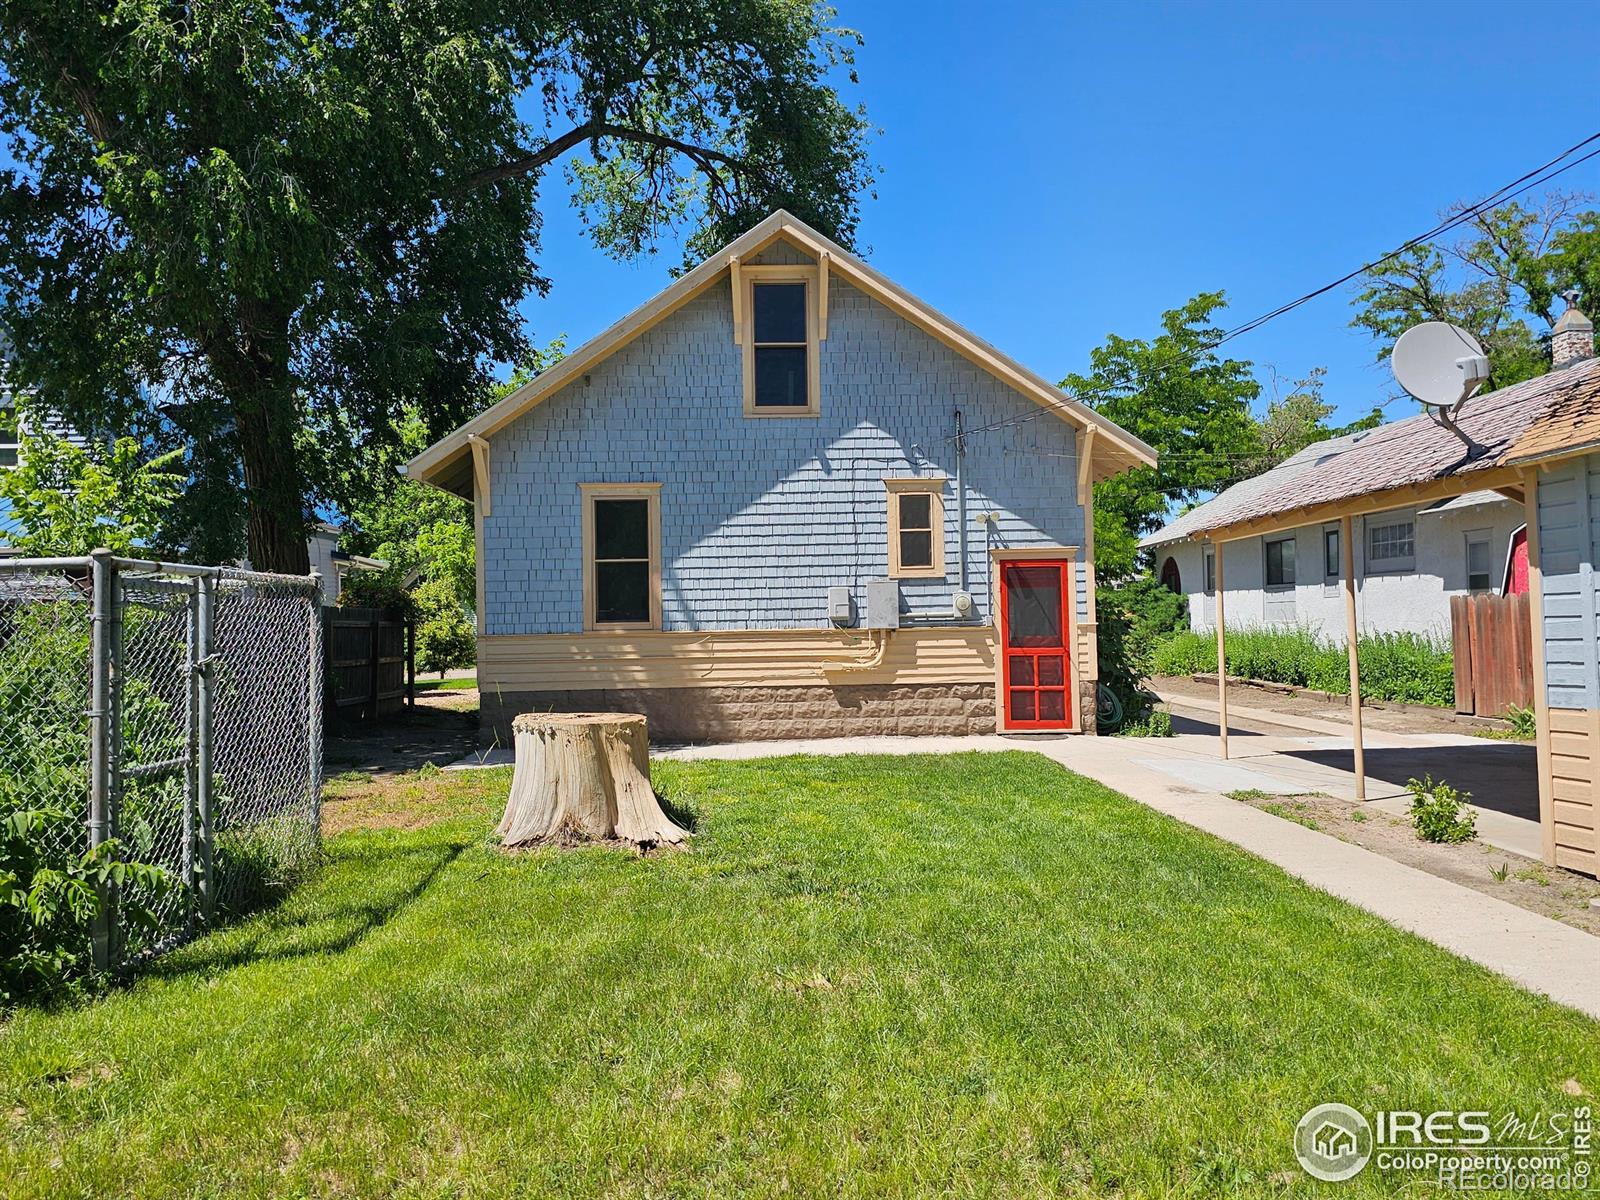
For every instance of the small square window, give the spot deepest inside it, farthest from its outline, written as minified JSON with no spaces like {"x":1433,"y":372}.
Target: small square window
{"x":1280,"y":563}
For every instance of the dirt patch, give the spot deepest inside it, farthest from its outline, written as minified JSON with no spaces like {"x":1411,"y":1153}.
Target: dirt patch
{"x":1549,"y":891}
{"x":1290,"y":702}
{"x":441,"y":729}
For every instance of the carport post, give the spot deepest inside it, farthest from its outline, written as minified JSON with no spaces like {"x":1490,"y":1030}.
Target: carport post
{"x":1222,"y":656}
{"x":1350,"y":633}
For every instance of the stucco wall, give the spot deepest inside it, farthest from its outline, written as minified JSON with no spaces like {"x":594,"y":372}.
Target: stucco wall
{"x":1414,"y":601}
{"x":1569,"y":541}
{"x":760,"y":516}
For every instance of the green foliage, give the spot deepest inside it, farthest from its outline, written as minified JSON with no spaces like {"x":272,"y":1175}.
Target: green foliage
{"x":446,"y":638}
{"x":1297,"y":420}
{"x":1157,"y":723}
{"x":1440,"y":812}
{"x":1524,"y":723}
{"x":263,"y":233}
{"x":1501,"y":280}
{"x":1182,"y":399}
{"x":1408,"y":668}
{"x":1132,"y":620}
{"x":50,"y":884}
{"x":68,"y":500}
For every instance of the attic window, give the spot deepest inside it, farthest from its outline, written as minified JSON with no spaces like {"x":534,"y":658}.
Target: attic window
{"x":780,"y":356}
{"x":916,"y":528}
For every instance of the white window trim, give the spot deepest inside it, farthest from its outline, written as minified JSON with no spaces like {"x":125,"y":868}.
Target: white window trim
{"x":1277,"y":588}
{"x":1208,"y":571}
{"x":749,"y":276}
{"x":1388,"y":566}
{"x":8,"y":404}
{"x":589,"y":493}
{"x":934,"y":489}
{"x":1486,"y":537}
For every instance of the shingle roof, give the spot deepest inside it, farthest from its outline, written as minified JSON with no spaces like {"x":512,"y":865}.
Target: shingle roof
{"x":1418,"y":449}
{"x":1572,"y":421}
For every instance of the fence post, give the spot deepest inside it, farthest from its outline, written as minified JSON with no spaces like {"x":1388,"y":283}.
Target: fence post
{"x":191,"y":775}
{"x":411,"y":662}
{"x":376,"y":644}
{"x":102,"y":573}
{"x":205,"y":616}
{"x":315,"y":669}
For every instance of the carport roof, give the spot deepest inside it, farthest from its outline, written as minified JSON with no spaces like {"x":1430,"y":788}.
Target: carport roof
{"x":1396,"y":462}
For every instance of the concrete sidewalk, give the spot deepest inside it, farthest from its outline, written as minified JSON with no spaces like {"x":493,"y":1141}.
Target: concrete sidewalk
{"x":1182,"y":777}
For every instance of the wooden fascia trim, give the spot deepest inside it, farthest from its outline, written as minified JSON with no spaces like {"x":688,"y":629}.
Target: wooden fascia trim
{"x":480,"y":474}
{"x":822,"y":295}
{"x":1084,"y":459}
{"x":738,"y":300}
{"x":1370,"y":502}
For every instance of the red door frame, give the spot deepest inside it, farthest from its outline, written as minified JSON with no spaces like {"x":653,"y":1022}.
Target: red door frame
{"x":1008,"y":653}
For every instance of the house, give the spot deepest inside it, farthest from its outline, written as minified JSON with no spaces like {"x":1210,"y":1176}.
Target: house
{"x":1536,"y":443}
{"x":786,"y":498}
{"x":1411,"y":559}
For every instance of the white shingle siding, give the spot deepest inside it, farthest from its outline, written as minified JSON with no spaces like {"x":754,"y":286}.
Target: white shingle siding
{"x":1569,"y":541}
{"x":760,"y":516}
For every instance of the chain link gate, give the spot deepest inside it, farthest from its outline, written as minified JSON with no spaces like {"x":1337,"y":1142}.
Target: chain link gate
{"x":175,"y":709}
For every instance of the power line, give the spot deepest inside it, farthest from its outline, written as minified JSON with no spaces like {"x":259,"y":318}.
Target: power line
{"x":1501,"y":195}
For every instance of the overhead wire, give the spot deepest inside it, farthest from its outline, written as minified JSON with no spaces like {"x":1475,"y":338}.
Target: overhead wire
{"x":1507,"y":192}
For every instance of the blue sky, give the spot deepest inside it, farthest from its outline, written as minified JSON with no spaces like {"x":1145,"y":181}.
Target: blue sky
{"x":1050,"y":173}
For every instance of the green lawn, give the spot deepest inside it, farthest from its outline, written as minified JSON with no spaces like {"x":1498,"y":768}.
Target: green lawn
{"x":975,"y":974}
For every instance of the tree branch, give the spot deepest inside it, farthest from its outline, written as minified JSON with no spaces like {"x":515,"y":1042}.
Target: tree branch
{"x":592,"y":131}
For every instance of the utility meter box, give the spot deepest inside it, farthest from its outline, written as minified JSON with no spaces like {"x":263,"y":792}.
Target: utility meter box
{"x":841,"y":607}
{"x":883,"y":604}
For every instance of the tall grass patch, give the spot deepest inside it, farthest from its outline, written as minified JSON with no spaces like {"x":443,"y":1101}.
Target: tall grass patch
{"x":1412,"y":668}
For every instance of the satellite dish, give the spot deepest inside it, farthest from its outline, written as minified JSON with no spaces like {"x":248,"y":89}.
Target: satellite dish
{"x":1438,"y":363}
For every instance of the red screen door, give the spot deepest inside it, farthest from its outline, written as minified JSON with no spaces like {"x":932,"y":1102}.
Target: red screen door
{"x":1033,"y":639}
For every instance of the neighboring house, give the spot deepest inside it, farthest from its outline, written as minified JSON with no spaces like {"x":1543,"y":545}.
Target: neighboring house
{"x":744,"y":510}
{"x":1537,"y":443}
{"x":1410,"y":559}
{"x":332,"y":564}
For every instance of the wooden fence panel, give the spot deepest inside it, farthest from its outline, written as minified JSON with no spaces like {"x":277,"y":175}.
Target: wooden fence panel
{"x":1492,"y":643}
{"x":369,"y":663}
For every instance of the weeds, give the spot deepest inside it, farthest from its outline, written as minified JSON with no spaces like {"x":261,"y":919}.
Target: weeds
{"x":1440,"y":812}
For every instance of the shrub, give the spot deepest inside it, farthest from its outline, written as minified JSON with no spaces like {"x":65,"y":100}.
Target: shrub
{"x":1405,"y":667}
{"x":1158,"y":723}
{"x":1440,"y":812}
{"x":1132,"y":621}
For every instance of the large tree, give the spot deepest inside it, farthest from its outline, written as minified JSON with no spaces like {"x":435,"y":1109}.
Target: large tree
{"x":266,"y":231}
{"x":1500,"y":277}
{"x":1184,"y":399}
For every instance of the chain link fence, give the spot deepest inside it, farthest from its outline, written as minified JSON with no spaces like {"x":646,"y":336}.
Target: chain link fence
{"x":174,"y":709}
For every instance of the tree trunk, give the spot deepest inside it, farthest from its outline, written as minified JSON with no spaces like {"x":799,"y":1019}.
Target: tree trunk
{"x":583,"y":776}
{"x":254,"y":368}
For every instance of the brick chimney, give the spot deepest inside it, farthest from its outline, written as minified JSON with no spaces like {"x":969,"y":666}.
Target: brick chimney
{"x":1572,"y":340}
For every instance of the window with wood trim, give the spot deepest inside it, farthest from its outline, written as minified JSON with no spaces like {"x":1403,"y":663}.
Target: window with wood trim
{"x":1331,"y":568}
{"x":916,"y":528}
{"x":621,"y":555}
{"x":780,"y":341}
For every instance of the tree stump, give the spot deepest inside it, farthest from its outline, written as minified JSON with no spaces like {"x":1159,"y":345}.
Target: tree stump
{"x":583,"y":777}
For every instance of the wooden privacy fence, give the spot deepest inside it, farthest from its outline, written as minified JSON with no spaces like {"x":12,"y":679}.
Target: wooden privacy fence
{"x":1492,"y":637}
{"x":370,"y":665}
